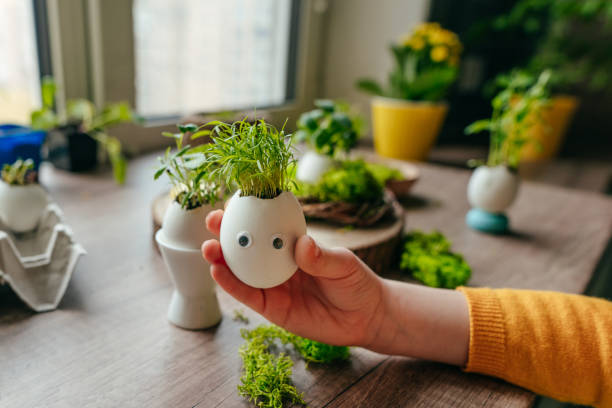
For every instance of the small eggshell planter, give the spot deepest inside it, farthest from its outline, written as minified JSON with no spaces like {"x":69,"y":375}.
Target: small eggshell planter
{"x":21,"y":207}
{"x":491,"y":190}
{"x":312,"y":166}
{"x":194,"y":303}
{"x":258,"y":238}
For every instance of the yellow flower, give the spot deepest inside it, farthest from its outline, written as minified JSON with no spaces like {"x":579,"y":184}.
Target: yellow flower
{"x":417,"y":43}
{"x":439,"y":53}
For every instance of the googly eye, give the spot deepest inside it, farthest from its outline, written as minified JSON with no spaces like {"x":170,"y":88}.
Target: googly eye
{"x":244,"y":239}
{"x":277,"y":241}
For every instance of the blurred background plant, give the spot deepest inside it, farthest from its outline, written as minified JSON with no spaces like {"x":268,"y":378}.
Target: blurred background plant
{"x":330,"y":129}
{"x":89,"y":119}
{"x":516,"y":109}
{"x":426,"y":64}
{"x":19,"y":173}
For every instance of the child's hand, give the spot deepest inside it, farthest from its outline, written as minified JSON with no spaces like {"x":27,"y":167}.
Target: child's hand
{"x":333,"y":297}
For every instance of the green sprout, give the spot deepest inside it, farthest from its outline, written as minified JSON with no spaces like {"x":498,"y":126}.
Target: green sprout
{"x":91,"y":121}
{"x":18,"y":173}
{"x":188,"y":171}
{"x":329,"y":129}
{"x":256,"y":157}
{"x":516,"y":109}
{"x":430,"y":260}
{"x":266,"y":380}
{"x":350,"y":182}
{"x":240,"y":317}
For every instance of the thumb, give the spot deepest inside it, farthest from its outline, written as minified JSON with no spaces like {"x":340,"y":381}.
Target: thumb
{"x":330,"y":263}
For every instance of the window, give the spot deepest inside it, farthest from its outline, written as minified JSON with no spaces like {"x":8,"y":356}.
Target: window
{"x":19,"y":73}
{"x":208,"y":56}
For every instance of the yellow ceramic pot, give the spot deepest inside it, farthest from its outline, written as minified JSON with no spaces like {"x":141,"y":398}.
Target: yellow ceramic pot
{"x":548,"y":134}
{"x":406,"y":129}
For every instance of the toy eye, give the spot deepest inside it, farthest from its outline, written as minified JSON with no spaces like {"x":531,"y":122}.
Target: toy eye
{"x":277,"y":241}
{"x":244,"y":239}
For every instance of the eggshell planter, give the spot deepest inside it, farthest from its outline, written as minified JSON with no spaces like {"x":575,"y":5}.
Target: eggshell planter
{"x":194,"y":303}
{"x":258,"y":238}
{"x":491,"y":190}
{"x":21,"y":207}
{"x":312,"y":166}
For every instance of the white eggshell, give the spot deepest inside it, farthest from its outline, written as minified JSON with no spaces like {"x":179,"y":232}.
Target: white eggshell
{"x":260,"y":264}
{"x":22,"y":206}
{"x":492,"y":189}
{"x":186,"y":228}
{"x":312,"y":166}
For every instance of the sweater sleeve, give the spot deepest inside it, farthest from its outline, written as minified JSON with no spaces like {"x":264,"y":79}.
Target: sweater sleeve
{"x":554,"y":344}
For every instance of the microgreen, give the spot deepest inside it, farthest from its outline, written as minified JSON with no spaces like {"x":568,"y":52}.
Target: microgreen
{"x":266,"y":380}
{"x":350,"y":181}
{"x":516,"y":109}
{"x":330,"y":128}
{"x":430,"y":260}
{"x":188,"y":172}
{"x":256,"y":157}
{"x":18,"y":173}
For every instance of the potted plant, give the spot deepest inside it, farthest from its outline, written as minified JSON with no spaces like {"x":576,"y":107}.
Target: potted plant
{"x":194,"y":303}
{"x":408,"y":115}
{"x":494,"y":184}
{"x":569,"y":38}
{"x":22,"y":199}
{"x":263,"y":219}
{"x":74,"y":137}
{"x":329,"y":132}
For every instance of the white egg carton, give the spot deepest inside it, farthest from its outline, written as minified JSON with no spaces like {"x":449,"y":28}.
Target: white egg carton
{"x":38,"y":265}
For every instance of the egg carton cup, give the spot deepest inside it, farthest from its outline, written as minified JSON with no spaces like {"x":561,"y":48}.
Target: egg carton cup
{"x":38,"y":265}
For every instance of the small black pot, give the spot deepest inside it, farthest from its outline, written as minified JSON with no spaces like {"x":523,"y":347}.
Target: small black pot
{"x":68,"y":148}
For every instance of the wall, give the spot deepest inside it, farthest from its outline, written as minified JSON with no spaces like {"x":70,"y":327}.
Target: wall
{"x":358,"y":33}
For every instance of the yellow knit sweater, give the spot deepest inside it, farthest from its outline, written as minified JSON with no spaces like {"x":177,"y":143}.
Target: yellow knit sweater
{"x":554,"y":344}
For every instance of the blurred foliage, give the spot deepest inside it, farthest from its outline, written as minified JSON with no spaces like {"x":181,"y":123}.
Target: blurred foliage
{"x":430,"y":260}
{"x":574,"y":39}
{"x":330,"y":128}
{"x":382,"y":173}
{"x":91,"y":121}
{"x":19,"y":173}
{"x":516,"y":109}
{"x":425,"y":65}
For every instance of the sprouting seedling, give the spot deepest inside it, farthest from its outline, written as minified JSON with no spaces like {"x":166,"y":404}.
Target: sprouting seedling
{"x":188,"y":171}
{"x":329,"y":129}
{"x":255,"y":157}
{"x":19,"y":173}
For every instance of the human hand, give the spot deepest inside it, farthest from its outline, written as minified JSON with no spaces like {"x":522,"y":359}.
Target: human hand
{"x":333,"y":297}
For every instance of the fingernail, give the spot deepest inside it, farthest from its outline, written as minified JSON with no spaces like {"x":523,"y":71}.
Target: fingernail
{"x":317,"y":250}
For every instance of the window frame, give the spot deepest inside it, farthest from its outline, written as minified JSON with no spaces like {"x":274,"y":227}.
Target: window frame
{"x":86,"y":36}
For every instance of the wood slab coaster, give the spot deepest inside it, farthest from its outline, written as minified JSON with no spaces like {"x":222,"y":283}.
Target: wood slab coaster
{"x":376,"y":246}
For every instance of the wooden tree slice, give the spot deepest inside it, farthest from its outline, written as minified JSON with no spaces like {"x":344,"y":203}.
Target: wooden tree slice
{"x":376,"y":246}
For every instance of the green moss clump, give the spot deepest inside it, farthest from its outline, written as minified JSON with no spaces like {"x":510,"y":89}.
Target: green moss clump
{"x":382,"y":173}
{"x":266,"y":380}
{"x":429,"y":258}
{"x":349,"y":182}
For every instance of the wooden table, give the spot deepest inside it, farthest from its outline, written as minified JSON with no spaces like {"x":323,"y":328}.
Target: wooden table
{"x":109,"y":343}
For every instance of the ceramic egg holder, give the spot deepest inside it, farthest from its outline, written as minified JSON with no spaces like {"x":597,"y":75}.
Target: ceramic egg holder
{"x":37,"y":265}
{"x":491,"y":191}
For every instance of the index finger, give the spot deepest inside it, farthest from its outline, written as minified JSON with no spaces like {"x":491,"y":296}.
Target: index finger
{"x":213,"y":221}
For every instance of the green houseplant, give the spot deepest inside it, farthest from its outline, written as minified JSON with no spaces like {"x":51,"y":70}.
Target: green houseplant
{"x":263,"y":219}
{"x":408,"y":114}
{"x":22,"y":199}
{"x":74,"y":136}
{"x":194,"y":302}
{"x":494,"y":184}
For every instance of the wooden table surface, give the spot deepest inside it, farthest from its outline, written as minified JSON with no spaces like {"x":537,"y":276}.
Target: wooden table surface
{"x":109,"y":343}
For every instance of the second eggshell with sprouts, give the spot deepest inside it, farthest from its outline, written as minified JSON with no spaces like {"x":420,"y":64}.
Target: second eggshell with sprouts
{"x":258,"y":238}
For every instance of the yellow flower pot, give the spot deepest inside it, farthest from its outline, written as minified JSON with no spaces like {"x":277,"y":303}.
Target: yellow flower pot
{"x":549,"y":133}
{"x":405,"y":129}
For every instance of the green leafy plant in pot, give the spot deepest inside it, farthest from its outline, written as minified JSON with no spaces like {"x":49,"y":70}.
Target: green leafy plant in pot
{"x":408,"y":114}
{"x":74,"y":137}
{"x":22,"y":199}
{"x":494,"y":184}
{"x":263,"y":219}
{"x":330,"y":131}
{"x":194,"y":303}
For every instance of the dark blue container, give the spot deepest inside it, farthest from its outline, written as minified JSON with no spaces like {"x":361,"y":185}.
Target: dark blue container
{"x":20,"y":142}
